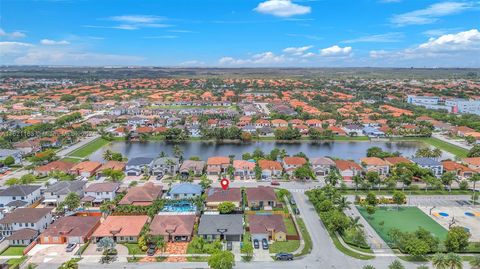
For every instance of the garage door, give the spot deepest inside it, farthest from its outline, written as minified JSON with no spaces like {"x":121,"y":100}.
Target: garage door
{"x":131,"y":174}
{"x":74,"y":239}
{"x":232,"y":237}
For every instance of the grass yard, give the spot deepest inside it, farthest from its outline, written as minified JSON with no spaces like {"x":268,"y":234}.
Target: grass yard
{"x":133,"y":249}
{"x":89,"y":148}
{"x":13,"y":251}
{"x":455,"y":150}
{"x":306,"y":238}
{"x":71,"y":160}
{"x":287,"y":246}
{"x":407,"y":219}
{"x":290,"y":226}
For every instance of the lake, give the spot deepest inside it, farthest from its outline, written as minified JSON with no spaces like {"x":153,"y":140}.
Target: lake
{"x":354,"y":150}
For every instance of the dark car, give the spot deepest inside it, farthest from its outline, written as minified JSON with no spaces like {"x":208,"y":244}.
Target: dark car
{"x":229,"y":245}
{"x":292,"y":201}
{"x":264,"y":243}
{"x":151,"y":250}
{"x":71,"y":247}
{"x":297,"y":211}
{"x":284,"y":257}
{"x":256,"y":244}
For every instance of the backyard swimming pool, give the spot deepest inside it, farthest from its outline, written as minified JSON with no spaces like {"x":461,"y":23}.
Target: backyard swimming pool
{"x":181,"y":206}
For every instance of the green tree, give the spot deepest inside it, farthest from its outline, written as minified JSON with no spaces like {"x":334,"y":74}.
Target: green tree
{"x":226,"y":207}
{"x":475,"y":262}
{"x":448,"y":178}
{"x":12,"y":181}
{"x":27,"y":179}
{"x":457,"y":239}
{"x":221,"y":260}
{"x":439,"y":261}
{"x":454,"y":261}
{"x":9,"y":160}
{"x":396,"y":264}
{"x":371,"y":199}
{"x":368,"y":267}
{"x":399,"y":198}
{"x":474,"y":151}
{"x":71,"y":202}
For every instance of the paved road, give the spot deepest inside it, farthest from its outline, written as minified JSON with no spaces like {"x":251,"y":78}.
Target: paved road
{"x":458,"y":142}
{"x":63,"y":152}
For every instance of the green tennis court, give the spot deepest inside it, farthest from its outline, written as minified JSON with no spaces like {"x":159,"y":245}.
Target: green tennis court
{"x":406,"y":219}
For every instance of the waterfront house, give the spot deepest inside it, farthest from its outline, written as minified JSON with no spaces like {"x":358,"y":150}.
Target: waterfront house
{"x":70,"y":229}
{"x":270,"y":169}
{"x":244,"y":169}
{"x":431,"y":164}
{"x":173,"y":228}
{"x":292,"y":163}
{"x":375,"y":164}
{"x":191,"y":167}
{"x":184,"y":191}
{"x":348,"y":169}
{"x":19,"y":196}
{"x":473,"y":162}
{"x":111,"y":165}
{"x":142,"y":195}
{"x":276,"y":123}
{"x":138,"y":165}
{"x":97,"y":193}
{"x":260,"y":197}
{"x":392,"y":161}
{"x":122,"y":229}
{"x":227,"y":227}
{"x":216,"y":196}
{"x":353,"y":129}
{"x":56,"y":193}
{"x":217,"y":165}
{"x":85,"y":169}
{"x":165,"y":165}
{"x":270,"y":227}
{"x":322,"y":165}
{"x":462,"y":171}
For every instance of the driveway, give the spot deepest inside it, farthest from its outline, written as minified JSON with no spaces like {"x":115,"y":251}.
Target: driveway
{"x":50,"y":253}
{"x":261,"y":255}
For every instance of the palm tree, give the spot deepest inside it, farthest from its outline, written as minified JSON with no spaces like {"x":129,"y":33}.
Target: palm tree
{"x":454,"y":261}
{"x":439,"y":261}
{"x":355,"y":223}
{"x":474,"y":179}
{"x":357,"y":180}
{"x":368,"y":267}
{"x":107,"y":155}
{"x":177,"y":151}
{"x":343,"y":203}
{"x":396,"y":264}
{"x":475,"y":262}
{"x":436,"y":153}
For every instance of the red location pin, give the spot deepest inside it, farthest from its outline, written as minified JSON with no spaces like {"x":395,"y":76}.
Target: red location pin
{"x":224,"y":182}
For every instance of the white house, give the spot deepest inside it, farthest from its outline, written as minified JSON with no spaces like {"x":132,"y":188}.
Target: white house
{"x":19,"y":196}
{"x":98,"y":192}
{"x":36,"y":219}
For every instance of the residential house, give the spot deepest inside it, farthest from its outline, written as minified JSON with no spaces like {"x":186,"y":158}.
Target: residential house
{"x":375,"y":164}
{"x":55,"y":166}
{"x":322,"y":165}
{"x":138,"y":166}
{"x":111,"y":165}
{"x":227,"y":227}
{"x":184,"y":191}
{"x":260,"y":197}
{"x":353,"y":129}
{"x":462,"y":171}
{"x":165,"y":165}
{"x":217,"y":165}
{"x":56,"y":193}
{"x":85,"y":169}
{"x":431,"y":164}
{"x":70,"y":229}
{"x":142,"y":195}
{"x":269,"y":227}
{"x":270,"y":169}
{"x":23,"y":225}
{"x":191,"y":167}
{"x":97,"y":193}
{"x":216,"y":196}
{"x":28,"y":146}
{"x":292,"y":163}
{"x":173,"y":228}
{"x":279,"y":123}
{"x":473,"y":162}
{"x":15,"y":153}
{"x":392,"y":161}
{"x":244,"y":169}
{"x":122,"y":229}
{"x":19,"y":196}
{"x":348,"y":169}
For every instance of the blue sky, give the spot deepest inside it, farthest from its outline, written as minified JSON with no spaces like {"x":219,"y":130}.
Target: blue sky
{"x":238,"y":33}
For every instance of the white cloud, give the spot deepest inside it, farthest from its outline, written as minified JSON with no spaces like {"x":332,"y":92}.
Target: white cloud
{"x":12,"y":35}
{"x":380,"y":38}
{"x":282,"y":8}
{"x":50,"y":42}
{"x":430,"y":14}
{"x":335,"y":50}
{"x":29,"y":54}
{"x":462,"y":41}
{"x":263,"y":59}
{"x":192,"y":63}
{"x":297,"y":51}
{"x":137,"y":18}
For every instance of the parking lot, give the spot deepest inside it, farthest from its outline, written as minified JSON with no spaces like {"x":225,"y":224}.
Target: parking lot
{"x":439,"y":200}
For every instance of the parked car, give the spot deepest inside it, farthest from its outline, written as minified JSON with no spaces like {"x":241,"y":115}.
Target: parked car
{"x":151,"y":250}
{"x":284,"y":257}
{"x":159,"y":177}
{"x":256,"y":244}
{"x":292,"y":201}
{"x":297,"y":211}
{"x":71,"y":247}
{"x":275,"y":183}
{"x":229,"y":245}
{"x":264,"y":244}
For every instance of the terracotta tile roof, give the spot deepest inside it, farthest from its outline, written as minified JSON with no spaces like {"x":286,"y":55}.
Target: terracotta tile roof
{"x":218,"y":160}
{"x":115,"y":165}
{"x":243,"y":165}
{"x":397,"y":160}
{"x":270,"y":165}
{"x":181,"y":225}
{"x":87,"y":166}
{"x":142,"y":195}
{"x":374,"y":161}
{"x":121,"y":226}
{"x":472,"y":161}
{"x":72,"y":226}
{"x":260,"y":193}
{"x":453,"y":166}
{"x":295,"y":161}
{"x":55,"y":166}
{"x":346,"y":165}
{"x":220,"y":195}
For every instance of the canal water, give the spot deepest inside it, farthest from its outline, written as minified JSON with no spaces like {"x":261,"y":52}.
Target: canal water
{"x":337,"y":149}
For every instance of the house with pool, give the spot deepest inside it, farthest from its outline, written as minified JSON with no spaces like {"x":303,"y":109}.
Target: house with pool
{"x":184,"y":191}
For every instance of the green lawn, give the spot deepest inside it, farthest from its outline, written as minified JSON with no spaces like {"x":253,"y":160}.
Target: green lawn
{"x":133,"y":249}
{"x":89,"y":148}
{"x":456,"y":150}
{"x":290,"y":226}
{"x":407,"y":219}
{"x":306,"y":238}
{"x":347,"y":251}
{"x":71,"y":160}
{"x":13,"y":251}
{"x":287,"y":246}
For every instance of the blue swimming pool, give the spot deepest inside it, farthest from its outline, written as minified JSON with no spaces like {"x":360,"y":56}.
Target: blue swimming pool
{"x":183,"y":206}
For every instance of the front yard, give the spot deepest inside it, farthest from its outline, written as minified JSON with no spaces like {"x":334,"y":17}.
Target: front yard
{"x":13,"y":251}
{"x":133,"y":249}
{"x":287,"y":246}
